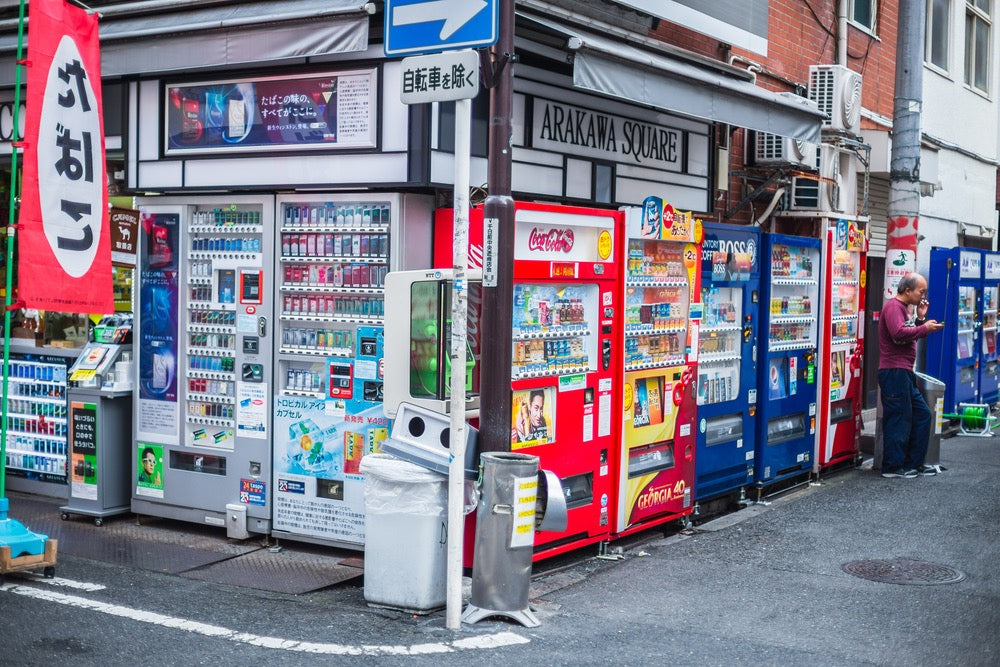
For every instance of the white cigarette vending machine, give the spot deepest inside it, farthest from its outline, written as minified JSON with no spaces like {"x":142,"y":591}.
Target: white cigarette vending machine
{"x":202,"y":416}
{"x":333,"y":256}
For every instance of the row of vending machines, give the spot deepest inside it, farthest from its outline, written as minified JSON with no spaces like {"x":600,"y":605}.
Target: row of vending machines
{"x":963,"y":290}
{"x":657,"y":362}
{"x":709,"y":380}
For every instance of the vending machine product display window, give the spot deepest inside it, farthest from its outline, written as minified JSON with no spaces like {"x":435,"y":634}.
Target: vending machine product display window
{"x":550,"y":329}
{"x":718,"y":370}
{"x":37,"y":423}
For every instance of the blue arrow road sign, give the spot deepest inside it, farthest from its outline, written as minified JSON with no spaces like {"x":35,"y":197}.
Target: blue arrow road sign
{"x":427,"y":26}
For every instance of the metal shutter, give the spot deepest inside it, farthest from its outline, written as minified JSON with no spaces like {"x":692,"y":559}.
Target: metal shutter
{"x":878,"y":209}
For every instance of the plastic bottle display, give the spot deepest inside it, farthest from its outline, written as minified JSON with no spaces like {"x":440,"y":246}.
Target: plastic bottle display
{"x":551,"y":329}
{"x":656,"y":304}
{"x":334,"y":260}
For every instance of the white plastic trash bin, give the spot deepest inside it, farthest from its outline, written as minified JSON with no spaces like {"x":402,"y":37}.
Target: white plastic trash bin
{"x":406,"y":534}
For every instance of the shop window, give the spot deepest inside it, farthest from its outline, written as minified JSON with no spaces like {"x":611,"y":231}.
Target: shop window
{"x":863,"y":13}
{"x":480,"y":125}
{"x":938,"y":32}
{"x":977,"y":43}
{"x":604,"y":183}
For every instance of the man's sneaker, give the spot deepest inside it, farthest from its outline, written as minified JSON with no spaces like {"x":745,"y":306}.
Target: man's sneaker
{"x":927,"y":471}
{"x":899,"y":472}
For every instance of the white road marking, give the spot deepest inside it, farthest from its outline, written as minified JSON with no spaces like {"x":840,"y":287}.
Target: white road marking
{"x":64,"y":583}
{"x":496,"y":640}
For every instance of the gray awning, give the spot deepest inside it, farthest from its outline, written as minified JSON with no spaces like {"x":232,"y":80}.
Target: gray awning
{"x":659,"y":80}
{"x":217,"y":35}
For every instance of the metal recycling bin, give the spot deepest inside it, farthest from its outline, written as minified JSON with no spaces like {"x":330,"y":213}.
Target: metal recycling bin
{"x":406,"y":534}
{"x":932,"y":390}
{"x":505,"y":535}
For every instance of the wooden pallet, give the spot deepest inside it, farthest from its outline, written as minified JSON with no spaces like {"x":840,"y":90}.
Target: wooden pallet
{"x":45,"y":560}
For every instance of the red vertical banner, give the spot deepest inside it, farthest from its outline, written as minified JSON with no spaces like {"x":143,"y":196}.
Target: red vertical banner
{"x":64,"y":244}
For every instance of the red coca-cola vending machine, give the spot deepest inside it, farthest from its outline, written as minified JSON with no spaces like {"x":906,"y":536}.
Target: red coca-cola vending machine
{"x":566,"y":304}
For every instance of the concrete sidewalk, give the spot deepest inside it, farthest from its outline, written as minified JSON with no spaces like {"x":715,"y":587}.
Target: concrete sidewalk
{"x":764,"y":585}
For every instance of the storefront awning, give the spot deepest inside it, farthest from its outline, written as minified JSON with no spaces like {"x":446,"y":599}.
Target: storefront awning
{"x":659,"y":80}
{"x":183,"y":36}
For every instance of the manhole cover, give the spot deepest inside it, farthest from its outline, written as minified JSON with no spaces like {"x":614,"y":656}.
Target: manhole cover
{"x":904,"y":571}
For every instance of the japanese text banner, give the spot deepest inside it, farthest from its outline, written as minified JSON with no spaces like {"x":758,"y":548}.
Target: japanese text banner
{"x":65,"y":251}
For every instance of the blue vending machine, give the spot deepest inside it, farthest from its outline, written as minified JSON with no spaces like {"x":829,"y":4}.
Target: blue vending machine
{"x":955,"y":292}
{"x":786,"y":420}
{"x":727,"y":360}
{"x":989,"y":366}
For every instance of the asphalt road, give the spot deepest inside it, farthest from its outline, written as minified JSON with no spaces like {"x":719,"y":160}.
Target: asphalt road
{"x":762,"y":586}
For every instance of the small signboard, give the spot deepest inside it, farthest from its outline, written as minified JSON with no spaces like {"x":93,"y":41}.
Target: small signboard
{"x":440,"y":77}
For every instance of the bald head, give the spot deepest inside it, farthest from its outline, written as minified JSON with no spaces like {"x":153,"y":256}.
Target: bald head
{"x":911,"y":281}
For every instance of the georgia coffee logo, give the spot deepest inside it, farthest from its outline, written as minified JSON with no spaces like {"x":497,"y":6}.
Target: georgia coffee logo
{"x":550,"y":240}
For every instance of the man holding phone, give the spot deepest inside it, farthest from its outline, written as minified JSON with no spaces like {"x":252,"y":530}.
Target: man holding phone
{"x":906,"y":419}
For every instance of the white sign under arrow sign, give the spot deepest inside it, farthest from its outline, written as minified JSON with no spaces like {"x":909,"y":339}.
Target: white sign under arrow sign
{"x":441,"y":77}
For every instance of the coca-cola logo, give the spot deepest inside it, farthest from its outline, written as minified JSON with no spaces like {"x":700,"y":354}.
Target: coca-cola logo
{"x":550,"y":240}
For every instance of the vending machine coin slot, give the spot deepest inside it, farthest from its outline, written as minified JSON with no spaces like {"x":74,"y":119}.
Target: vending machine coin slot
{"x":369,"y":347}
{"x":605,"y":354}
{"x":253,"y":373}
{"x":261,"y":326}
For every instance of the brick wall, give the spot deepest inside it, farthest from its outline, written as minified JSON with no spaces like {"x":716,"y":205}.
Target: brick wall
{"x":797,"y":38}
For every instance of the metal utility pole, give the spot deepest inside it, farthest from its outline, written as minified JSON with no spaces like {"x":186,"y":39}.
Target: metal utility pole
{"x":498,"y":248}
{"x":904,"y":174}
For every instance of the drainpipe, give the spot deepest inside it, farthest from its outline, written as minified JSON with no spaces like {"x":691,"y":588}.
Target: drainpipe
{"x":842,"y":32}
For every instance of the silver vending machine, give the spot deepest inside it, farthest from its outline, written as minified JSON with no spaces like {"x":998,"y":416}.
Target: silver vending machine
{"x":335,"y":251}
{"x":203,"y":353}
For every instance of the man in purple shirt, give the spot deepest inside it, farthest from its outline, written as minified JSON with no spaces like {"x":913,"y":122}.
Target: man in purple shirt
{"x":906,"y":419}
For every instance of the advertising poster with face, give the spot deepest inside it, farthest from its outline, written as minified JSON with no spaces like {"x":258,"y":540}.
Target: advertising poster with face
{"x":533,"y":418}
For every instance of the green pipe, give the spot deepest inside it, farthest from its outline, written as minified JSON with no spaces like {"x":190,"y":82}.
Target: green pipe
{"x":10,"y":249}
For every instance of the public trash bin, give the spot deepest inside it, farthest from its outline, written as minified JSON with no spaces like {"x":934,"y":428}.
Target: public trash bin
{"x":505,"y":532}
{"x":932,"y":390}
{"x":406,"y":534}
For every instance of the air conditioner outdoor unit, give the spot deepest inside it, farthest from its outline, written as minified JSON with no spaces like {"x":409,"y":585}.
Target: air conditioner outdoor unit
{"x":837,"y":91}
{"x":777,"y":150}
{"x":837,"y":189}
